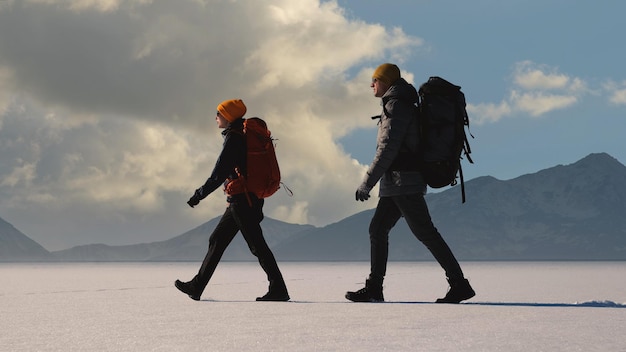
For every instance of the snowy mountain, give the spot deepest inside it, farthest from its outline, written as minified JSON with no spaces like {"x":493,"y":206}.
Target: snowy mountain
{"x":571,"y":212}
{"x":16,"y":246}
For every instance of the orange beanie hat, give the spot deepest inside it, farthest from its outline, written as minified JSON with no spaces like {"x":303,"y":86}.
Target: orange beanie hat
{"x":387,"y":73}
{"x":232,"y":109}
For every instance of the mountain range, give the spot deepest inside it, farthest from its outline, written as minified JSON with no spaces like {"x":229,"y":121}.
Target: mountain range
{"x":566,"y":212}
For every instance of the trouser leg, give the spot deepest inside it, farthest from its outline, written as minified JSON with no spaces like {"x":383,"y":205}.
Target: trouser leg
{"x":221,"y":237}
{"x":385,"y":217}
{"x":248,"y":219}
{"x":415,"y":210}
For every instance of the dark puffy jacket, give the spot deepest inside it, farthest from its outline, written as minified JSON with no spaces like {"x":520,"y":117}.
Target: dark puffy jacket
{"x":233,"y":155}
{"x":397,"y":139}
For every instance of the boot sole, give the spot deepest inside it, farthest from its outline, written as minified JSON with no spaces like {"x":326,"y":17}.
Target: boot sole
{"x":280,"y":299}
{"x":464,"y":298}
{"x":371,"y":300}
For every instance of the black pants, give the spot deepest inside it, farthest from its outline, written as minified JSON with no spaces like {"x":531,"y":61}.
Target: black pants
{"x":240,"y":216}
{"x":414,"y":209}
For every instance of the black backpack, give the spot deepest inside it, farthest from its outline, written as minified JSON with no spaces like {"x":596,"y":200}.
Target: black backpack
{"x":442,"y":119}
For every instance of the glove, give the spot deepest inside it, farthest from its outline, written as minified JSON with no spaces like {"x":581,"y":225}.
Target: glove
{"x":363,"y":192}
{"x":193,"y":201}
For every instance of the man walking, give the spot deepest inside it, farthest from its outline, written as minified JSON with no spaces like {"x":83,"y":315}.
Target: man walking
{"x":402,"y":189}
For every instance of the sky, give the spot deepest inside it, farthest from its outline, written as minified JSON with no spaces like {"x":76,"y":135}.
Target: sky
{"x":107,"y":107}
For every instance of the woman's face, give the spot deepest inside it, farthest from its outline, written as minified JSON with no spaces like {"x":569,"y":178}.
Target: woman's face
{"x":221,"y":121}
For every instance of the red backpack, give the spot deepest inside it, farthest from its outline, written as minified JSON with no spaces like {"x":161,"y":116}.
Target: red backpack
{"x":263,"y":175}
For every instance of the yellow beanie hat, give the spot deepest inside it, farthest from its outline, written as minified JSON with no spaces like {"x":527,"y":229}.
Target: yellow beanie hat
{"x":232,"y":109}
{"x":387,"y":73}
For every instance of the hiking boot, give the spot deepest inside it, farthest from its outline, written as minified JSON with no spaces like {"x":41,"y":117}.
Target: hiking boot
{"x":274,"y":296}
{"x":369,"y":293}
{"x":459,"y":291}
{"x":277,"y":292}
{"x":189,"y":289}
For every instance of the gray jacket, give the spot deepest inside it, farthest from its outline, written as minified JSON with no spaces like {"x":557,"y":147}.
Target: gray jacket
{"x":397,"y":134}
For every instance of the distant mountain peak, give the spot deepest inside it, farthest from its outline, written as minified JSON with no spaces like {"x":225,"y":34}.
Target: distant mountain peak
{"x":16,"y":246}
{"x":601,"y":160}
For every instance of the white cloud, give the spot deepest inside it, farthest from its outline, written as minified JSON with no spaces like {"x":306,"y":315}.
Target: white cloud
{"x":112,"y":115}
{"x":619,"y":97}
{"x":617,"y":92}
{"x":536,"y":90}
{"x":119,"y":161}
{"x":486,"y":113}
{"x":293,"y":213}
{"x":23,"y":174}
{"x":538,"y":103}
{"x":305,"y":41}
{"x":85,"y":5}
{"x":530,"y":76}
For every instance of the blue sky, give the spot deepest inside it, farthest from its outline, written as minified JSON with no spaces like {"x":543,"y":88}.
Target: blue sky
{"x":107,"y":106}
{"x":478,"y":44}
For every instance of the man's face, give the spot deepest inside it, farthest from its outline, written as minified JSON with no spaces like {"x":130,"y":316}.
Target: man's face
{"x":379,"y":87}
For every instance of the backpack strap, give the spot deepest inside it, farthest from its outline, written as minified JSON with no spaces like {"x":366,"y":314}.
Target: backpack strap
{"x":462,"y":183}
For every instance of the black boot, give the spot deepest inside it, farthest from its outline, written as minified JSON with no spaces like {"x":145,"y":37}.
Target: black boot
{"x":370,"y":293}
{"x":460,"y":290}
{"x":189,"y":289}
{"x":276,"y":293}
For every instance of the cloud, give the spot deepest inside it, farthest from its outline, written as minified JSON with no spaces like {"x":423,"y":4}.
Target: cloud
{"x":107,"y":107}
{"x":6,"y":92}
{"x":536,"y":90}
{"x":538,"y":103}
{"x":617,"y":92}
{"x":530,"y":76}
{"x":94,"y":161}
{"x":536,"y":77}
{"x":488,"y":112}
{"x":82,"y":5}
{"x":101,"y":173}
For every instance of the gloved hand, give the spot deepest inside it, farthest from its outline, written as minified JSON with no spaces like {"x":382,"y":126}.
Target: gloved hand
{"x":363,"y":192}
{"x":193,"y":201}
